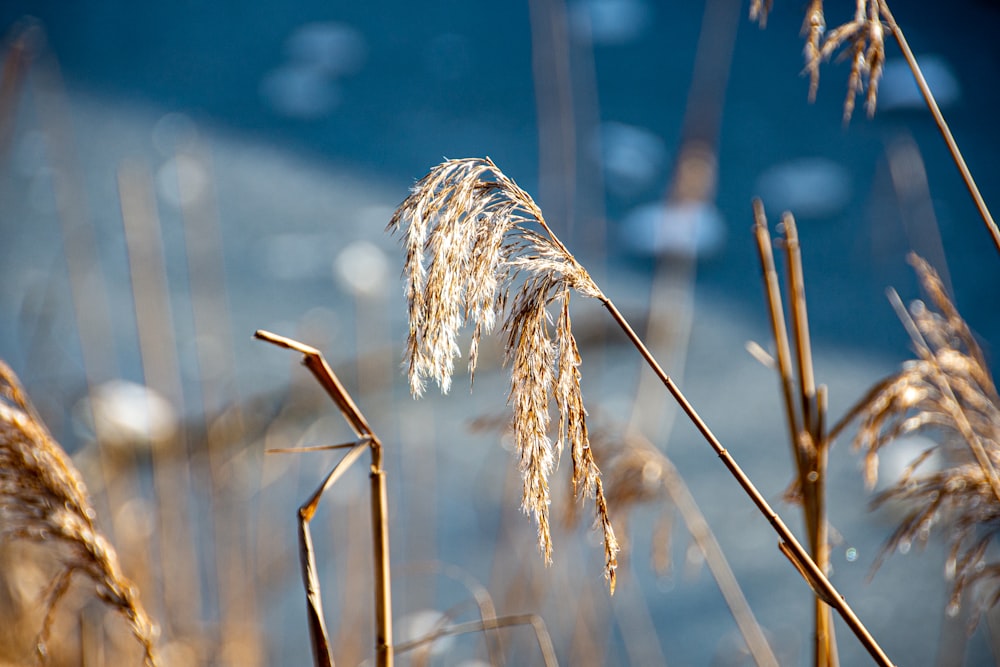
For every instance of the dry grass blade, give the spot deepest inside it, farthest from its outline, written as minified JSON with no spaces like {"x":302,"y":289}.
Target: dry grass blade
{"x":542,"y":636}
{"x":43,"y":499}
{"x":479,"y":252}
{"x":947,"y":393}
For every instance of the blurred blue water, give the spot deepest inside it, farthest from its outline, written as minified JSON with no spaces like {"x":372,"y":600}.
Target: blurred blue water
{"x":452,"y":80}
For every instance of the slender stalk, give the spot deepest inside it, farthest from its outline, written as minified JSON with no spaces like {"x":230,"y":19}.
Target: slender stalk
{"x":552,"y":77}
{"x":230,"y":486}
{"x":809,"y":443}
{"x":825,"y":637}
{"x":313,"y":360}
{"x":783,"y":348}
{"x":811,"y":572}
{"x":480,"y":594}
{"x":949,"y":140}
{"x":307,"y":554}
{"x":154,"y":319}
{"x":800,"y":323}
{"x":380,"y":546}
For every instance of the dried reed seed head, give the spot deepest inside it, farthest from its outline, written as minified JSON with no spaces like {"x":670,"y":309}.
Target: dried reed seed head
{"x":479,"y":252}
{"x":949,"y":394}
{"x":950,"y":382}
{"x":961,"y":501}
{"x":813,"y":27}
{"x":862,"y":40}
{"x":759,"y":11}
{"x":43,"y":499}
{"x":638,"y":473}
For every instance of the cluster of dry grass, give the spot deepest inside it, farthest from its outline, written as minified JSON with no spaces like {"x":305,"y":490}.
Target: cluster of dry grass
{"x":862,"y":40}
{"x":486,"y":237}
{"x":948,"y":394}
{"x":479,"y":254}
{"x":43,"y":499}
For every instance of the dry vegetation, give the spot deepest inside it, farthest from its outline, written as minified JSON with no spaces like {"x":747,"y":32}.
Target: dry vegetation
{"x":483,"y":233}
{"x":947,"y":393}
{"x":479,"y":254}
{"x":43,"y":499}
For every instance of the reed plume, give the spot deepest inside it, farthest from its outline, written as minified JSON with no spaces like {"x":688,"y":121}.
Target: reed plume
{"x":948,"y":394}
{"x":479,"y":253}
{"x":862,"y":40}
{"x":43,"y":499}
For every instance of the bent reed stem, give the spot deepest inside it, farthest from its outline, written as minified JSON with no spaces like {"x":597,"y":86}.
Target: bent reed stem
{"x":313,"y":360}
{"x":789,"y":545}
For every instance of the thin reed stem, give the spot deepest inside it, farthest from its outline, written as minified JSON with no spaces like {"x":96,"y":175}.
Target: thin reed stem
{"x":172,"y":481}
{"x":808,"y":443}
{"x":800,"y":323}
{"x":480,"y":594}
{"x":783,"y":348}
{"x":702,"y":535}
{"x":939,"y":120}
{"x":314,"y":602}
{"x":810,"y":571}
{"x":230,"y":491}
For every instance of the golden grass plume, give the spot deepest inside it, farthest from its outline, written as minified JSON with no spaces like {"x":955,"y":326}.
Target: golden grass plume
{"x":862,"y":40}
{"x":43,"y":499}
{"x":948,"y":394}
{"x":479,"y":253}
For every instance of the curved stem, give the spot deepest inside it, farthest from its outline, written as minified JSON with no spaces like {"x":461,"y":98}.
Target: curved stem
{"x":789,"y":545}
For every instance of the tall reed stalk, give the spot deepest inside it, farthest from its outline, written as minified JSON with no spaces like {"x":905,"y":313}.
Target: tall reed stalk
{"x":484,"y":234}
{"x":806,"y":417}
